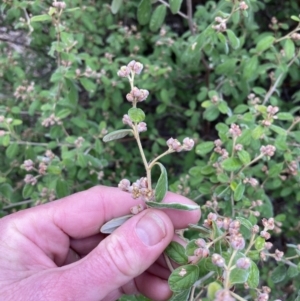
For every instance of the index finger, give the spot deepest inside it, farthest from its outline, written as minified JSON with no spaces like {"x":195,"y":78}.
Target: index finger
{"x":82,"y":214}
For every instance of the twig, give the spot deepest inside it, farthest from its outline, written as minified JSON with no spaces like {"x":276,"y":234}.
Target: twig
{"x":17,"y":204}
{"x":179,"y":13}
{"x":190,"y":15}
{"x":273,"y":87}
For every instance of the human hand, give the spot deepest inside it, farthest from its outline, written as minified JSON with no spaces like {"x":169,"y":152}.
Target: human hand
{"x":55,"y":252}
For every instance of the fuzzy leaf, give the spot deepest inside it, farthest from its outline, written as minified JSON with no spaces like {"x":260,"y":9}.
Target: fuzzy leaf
{"x":265,"y":43}
{"x":279,"y":274}
{"x":289,"y":49}
{"x":231,"y":164}
{"x":40,"y":18}
{"x":238,"y":276}
{"x":115,"y":6}
{"x":233,"y":39}
{"x":116,"y":135}
{"x":136,"y":115}
{"x":204,"y":148}
{"x":162,"y":184}
{"x":253,"y":278}
{"x":176,"y":252}
{"x":144,"y":12}
{"x":177,"y":206}
{"x":158,"y":17}
{"x":181,"y":296}
{"x":239,"y":192}
{"x":175,"y":6}
{"x":179,"y":281}
{"x":115,"y":223}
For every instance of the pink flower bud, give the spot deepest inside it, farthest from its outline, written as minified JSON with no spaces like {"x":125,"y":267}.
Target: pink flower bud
{"x":268,"y":150}
{"x":124,"y":71}
{"x":235,"y":130}
{"x":124,"y":184}
{"x":266,"y":235}
{"x":188,"y":144}
{"x":237,"y":242}
{"x":174,"y":145}
{"x":136,"y":67}
{"x":142,"y":127}
{"x":268,"y":245}
{"x":28,"y":165}
{"x":200,"y":242}
{"x":130,"y":97}
{"x":243,"y":263}
{"x":278,"y":255}
{"x":126,"y":120}
{"x":143,"y":95}
{"x":218,"y":260}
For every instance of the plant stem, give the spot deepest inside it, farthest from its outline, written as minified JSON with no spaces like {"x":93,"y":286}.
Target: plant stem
{"x":138,"y":140}
{"x":168,"y":262}
{"x":237,"y":296}
{"x":169,"y":151}
{"x":226,"y":285}
{"x":179,"y":13}
{"x":190,"y":15}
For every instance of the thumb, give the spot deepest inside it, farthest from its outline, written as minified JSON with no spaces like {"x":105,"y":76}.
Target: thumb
{"x":119,"y":258}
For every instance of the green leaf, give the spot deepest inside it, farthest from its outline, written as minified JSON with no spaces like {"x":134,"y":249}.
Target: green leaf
{"x":136,"y":115}
{"x":239,"y":192}
{"x":12,"y":150}
{"x":253,"y":278}
{"x":244,"y":156}
{"x":258,"y":132}
{"x":82,"y":160}
{"x":63,"y":113}
{"x":40,"y":18}
{"x":158,"y":17}
{"x":250,"y":67}
{"x":285,"y":116}
{"x":177,"y":206}
{"x":279,"y":274}
{"x":289,"y":49}
{"x":162,"y":184}
{"x":295,"y":18}
{"x":245,"y":222}
{"x":116,"y":135}
{"x":88,"y":85}
{"x":28,"y":189}
{"x":72,"y":91}
{"x":181,"y":296}
{"x":115,"y":6}
{"x":176,"y":252}
{"x":204,"y":147}
{"x":275,"y":170}
{"x":292,"y":272}
{"x":265,"y":43}
{"x":278,"y":130}
{"x":6,"y":190}
{"x":238,"y":276}
{"x":191,"y":247}
{"x":144,"y":12}
{"x":233,"y":39}
{"x":212,"y":288}
{"x":183,"y":277}
{"x":54,"y":170}
{"x":231,"y":164}
{"x":62,"y":188}
{"x":259,"y":243}
{"x":175,"y":6}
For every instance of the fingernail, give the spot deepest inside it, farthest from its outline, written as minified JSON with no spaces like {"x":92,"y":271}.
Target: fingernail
{"x":150,"y":229}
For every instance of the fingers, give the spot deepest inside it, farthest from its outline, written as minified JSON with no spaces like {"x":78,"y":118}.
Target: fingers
{"x":82,"y":214}
{"x":118,"y":259}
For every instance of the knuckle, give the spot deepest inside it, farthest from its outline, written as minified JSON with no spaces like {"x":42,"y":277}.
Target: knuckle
{"x":121,"y":257}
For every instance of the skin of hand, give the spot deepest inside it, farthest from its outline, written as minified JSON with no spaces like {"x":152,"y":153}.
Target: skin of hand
{"x":54,"y":252}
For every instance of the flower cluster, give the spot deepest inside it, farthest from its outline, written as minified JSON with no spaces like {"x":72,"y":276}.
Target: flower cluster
{"x":235,"y":130}
{"x":175,"y":146}
{"x":132,"y":67}
{"x":51,"y":120}
{"x":221,"y":27}
{"x":268,"y":150}
{"x":137,"y":95}
{"x":138,"y":189}
{"x":59,"y":4}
